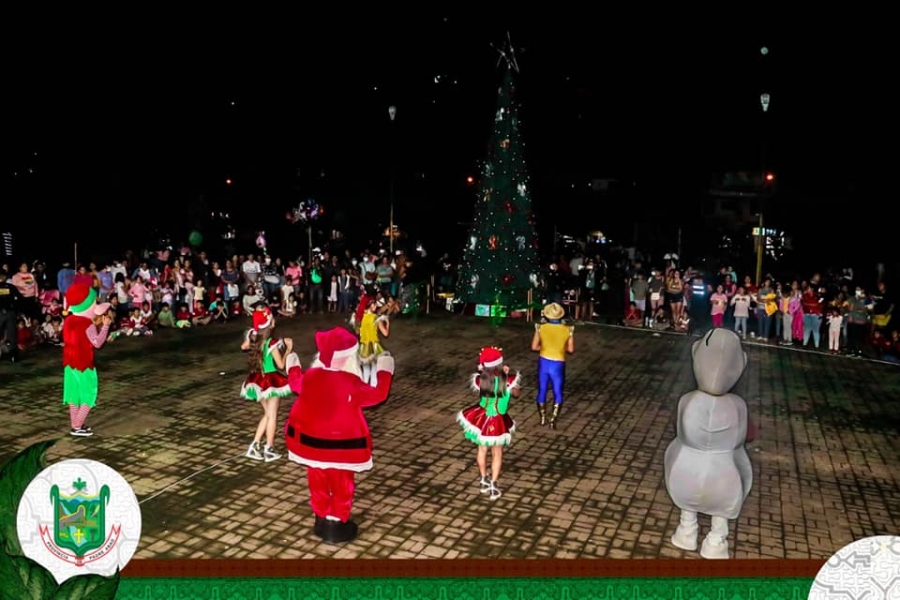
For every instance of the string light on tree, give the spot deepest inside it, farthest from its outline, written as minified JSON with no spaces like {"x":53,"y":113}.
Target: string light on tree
{"x":502,"y":251}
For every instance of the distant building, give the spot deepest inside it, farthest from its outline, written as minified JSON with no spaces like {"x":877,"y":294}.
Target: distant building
{"x":735,"y":199}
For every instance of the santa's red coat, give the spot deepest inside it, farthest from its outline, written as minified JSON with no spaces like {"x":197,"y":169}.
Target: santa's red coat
{"x":326,"y":428}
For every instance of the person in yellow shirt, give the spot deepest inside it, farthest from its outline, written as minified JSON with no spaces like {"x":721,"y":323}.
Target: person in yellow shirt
{"x":553,"y":339}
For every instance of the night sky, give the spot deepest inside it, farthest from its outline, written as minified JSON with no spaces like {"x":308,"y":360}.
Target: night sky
{"x":145,"y":114}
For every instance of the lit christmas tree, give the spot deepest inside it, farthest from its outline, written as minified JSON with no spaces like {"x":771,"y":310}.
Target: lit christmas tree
{"x":501,"y":256}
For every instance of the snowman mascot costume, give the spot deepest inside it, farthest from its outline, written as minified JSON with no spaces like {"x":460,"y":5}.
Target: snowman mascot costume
{"x":327,"y":432}
{"x":707,"y":468}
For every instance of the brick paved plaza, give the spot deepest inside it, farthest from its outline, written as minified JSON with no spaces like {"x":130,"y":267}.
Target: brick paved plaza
{"x":825,"y":466}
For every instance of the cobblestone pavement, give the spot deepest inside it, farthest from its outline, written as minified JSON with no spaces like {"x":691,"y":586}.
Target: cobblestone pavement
{"x":170,"y":420}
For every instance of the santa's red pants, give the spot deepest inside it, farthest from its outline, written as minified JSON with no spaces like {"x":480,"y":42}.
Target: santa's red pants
{"x":331,"y":492}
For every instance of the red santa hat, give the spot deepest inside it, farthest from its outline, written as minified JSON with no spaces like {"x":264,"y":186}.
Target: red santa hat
{"x":335,"y":343}
{"x":81,"y":300}
{"x":262,"y":319}
{"x":490,"y":357}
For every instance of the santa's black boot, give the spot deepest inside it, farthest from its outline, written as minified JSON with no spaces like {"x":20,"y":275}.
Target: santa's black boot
{"x":319,"y":527}
{"x":339,"y":532}
{"x":554,"y":416}
{"x":542,"y":412}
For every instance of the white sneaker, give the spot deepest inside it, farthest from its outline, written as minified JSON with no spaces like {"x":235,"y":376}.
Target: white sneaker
{"x":485,"y":485}
{"x":253,"y":452}
{"x":686,"y":537}
{"x":714,"y":547}
{"x":269,"y":454}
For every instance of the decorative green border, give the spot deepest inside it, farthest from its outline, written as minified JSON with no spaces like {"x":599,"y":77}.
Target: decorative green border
{"x":469,"y":589}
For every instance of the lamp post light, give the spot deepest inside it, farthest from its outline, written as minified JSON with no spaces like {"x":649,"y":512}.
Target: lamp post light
{"x":392,"y":113}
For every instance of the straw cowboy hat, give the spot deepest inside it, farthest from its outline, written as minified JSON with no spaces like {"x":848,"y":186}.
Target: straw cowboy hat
{"x":553,"y":311}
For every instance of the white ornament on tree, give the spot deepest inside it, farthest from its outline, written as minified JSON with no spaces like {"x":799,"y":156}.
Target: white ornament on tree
{"x":473,"y":283}
{"x":473,"y":241}
{"x":500,"y":112}
{"x":520,"y":240}
{"x":533,"y":279}
{"x":521,"y":188}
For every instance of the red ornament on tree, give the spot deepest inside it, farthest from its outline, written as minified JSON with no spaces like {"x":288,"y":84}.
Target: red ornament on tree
{"x":492,"y":242}
{"x":508,"y":279}
{"x":509,"y":207}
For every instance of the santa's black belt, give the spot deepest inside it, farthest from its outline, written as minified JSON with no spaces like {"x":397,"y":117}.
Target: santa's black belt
{"x":323,"y":444}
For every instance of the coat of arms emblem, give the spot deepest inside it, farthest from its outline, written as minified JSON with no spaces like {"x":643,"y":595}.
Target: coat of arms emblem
{"x":79,"y":524}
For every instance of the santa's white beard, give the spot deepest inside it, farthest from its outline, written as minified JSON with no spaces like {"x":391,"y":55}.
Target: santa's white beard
{"x":351,"y":365}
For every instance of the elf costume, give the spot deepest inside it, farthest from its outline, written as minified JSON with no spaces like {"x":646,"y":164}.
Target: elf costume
{"x":487,"y":423}
{"x":327,"y":432}
{"x":80,"y":338}
{"x":265,"y":382}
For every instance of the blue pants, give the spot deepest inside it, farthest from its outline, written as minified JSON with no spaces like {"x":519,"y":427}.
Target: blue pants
{"x":551,"y":372}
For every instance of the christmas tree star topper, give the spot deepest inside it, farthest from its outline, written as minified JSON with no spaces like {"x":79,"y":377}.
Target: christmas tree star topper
{"x":507,"y":53}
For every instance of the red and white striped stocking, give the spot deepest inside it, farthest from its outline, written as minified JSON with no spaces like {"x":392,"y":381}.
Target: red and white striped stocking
{"x":79,"y":416}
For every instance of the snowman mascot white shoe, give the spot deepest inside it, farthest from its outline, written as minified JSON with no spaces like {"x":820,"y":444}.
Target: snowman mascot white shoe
{"x":707,"y":468}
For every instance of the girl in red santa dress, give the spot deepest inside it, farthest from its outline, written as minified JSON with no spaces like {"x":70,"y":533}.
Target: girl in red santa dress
{"x":487,"y":423}
{"x":266,"y":382}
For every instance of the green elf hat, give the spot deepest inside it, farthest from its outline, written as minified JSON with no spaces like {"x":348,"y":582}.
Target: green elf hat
{"x":81,"y":300}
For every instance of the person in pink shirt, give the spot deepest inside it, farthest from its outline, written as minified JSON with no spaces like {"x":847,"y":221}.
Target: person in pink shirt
{"x":138,"y":292}
{"x":719,"y":302}
{"x":26,"y":283}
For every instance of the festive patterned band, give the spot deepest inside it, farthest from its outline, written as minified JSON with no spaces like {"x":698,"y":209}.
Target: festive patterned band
{"x":84,"y":304}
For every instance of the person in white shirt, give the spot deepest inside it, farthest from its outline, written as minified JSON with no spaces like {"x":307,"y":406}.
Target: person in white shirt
{"x":118,"y":268}
{"x":251,"y":270}
{"x":741,"y":303}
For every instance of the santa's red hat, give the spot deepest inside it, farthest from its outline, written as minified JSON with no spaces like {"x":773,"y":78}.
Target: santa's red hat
{"x":262,"y":319}
{"x":490,"y":357}
{"x":335,"y":343}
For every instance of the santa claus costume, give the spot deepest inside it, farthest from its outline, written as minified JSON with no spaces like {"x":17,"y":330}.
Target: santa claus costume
{"x":327,"y":432}
{"x":265,"y":384}
{"x":80,"y":338}
{"x":487,"y":424}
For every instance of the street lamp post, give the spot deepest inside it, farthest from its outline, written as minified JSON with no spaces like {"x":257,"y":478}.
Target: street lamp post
{"x":392,"y":113}
{"x":764,"y":101}
{"x":760,"y":248}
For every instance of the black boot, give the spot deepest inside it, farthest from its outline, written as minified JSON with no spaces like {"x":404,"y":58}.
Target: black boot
{"x":554,"y":416}
{"x":338,"y":532}
{"x":543,"y":414}
{"x":319,"y":527}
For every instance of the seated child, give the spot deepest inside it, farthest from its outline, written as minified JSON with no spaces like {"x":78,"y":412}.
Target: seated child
{"x":24,"y":338}
{"x":183,"y":317}
{"x":633,"y":316}
{"x":54,"y":309}
{"x":236,"y":310}
{"x":137,"y":326}
{"x":165,"y":318}
{"x":289,"y":306}
{"x":148,"y":315}
{"x":201,"y":315}
{"x":218,"y":310}
{"x":51,"y":329}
